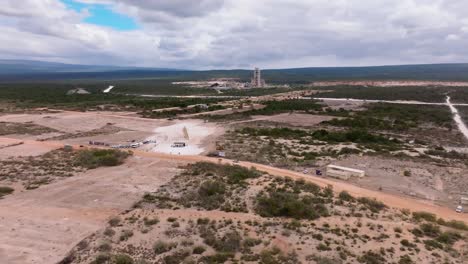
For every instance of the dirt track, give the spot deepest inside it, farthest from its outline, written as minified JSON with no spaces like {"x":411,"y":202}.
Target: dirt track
{"x":388,"y":199}
{"x":41,"y":226}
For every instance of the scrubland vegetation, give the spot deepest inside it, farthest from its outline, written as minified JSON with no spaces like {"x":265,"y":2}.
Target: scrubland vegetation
{"x":289,"y":221}
{"x":32,"y":172}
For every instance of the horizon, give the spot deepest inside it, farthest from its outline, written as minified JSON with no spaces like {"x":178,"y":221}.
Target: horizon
{"x":239,"y":34}
{"x":129,"y":67}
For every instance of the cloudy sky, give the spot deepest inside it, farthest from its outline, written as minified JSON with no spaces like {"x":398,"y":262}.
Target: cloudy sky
{"x":206,"y":34}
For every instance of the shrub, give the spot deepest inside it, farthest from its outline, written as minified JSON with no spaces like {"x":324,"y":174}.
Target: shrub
{"x":125,"y":235}
{"x":430,"y":230}
{"x":109,"y":232}
{"x":217,"y":258}
{"x":198,"y":250}
{"x":101,"y":259}
{"x":405,"y":259}
{"x":123,"y":259}
{"x":372,"y":204}
{"x":370,"y":257}
{"x":431,"y":244}
{"x":449,"y":238}
{"x":286,"y":204}
{"x":176,"y":258}
{"x":418,"y":216}
{"x":161,"y":247}
{"x":4,"y":190}
{"x":345,"y":196}
{"x":94,"y":158}
{"x":150,"y":222}
{"x":114,"y":221}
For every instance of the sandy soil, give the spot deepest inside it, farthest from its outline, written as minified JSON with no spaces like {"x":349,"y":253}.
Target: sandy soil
{"x":10,"y":147}
{"x":295,"y":119}
{"x":193,"y":132}
{"x":72,"y":122}
{"x":442,"y":185}
{"x":42,"y":225}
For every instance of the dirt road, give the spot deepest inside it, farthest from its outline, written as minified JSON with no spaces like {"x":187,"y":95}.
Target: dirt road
{"x":388,"y":199}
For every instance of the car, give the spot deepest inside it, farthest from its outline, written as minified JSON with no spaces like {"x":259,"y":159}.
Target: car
{"x":459,"y":209}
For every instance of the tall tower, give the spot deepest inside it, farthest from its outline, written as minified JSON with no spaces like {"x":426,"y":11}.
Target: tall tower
{"x":257,"y":78}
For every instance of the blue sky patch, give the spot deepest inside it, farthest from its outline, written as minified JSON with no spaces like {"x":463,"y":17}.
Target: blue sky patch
{"x":103,"y":15}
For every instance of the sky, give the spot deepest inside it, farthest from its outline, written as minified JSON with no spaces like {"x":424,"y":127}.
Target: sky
{"x":228,"y":34}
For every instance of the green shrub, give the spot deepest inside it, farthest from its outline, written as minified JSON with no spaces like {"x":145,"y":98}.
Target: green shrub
{"x":177,"y":257}
{"x":418,"y":216}
{"x":345,"y":196}
{"x":405,"y":259}
{"x":372,"y":204}
{"x":4,"y":190}
{"x":198,"y":250}
{"x":114,"y":221}
{"x":150,"y":222}
{"x":286,"y":204}
{"x":160,"y":247}
{"x":370,"y":257}
{"x":94,"y":158}
{"x":430,"y":230}
{"x":123,"y":259}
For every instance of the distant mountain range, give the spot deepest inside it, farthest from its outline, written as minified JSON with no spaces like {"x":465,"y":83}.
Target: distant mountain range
{"x":37,"y":67}
{"x":24,"y":70}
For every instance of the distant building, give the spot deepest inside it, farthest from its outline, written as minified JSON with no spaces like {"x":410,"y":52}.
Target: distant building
{"x":179,"y":144}
{"x":257,"y":81}
{"x":77,"y":91}
{"x":343,"y":173}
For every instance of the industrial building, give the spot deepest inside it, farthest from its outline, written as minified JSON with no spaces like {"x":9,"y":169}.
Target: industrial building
{"x":344,"y":173}
{"x":257,"y":81}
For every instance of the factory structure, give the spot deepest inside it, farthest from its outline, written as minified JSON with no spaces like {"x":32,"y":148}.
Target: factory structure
{"x":257,"y":81}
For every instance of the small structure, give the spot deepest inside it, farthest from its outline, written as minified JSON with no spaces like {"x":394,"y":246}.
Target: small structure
{"x":179,"y":145}
{"x":464,"y":200}
{"x":343,"y":173}
{"x":257,"y":81}
{"x":77,"y":91}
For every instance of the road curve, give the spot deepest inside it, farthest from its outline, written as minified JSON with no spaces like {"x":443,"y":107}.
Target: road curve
{"x":389,"y":199}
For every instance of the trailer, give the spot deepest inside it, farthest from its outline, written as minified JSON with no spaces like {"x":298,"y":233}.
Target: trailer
{"x":344,"y":173}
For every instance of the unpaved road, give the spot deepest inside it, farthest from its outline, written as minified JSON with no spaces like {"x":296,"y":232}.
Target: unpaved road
{"x":389,"y":199}
{"x":42,"y":225}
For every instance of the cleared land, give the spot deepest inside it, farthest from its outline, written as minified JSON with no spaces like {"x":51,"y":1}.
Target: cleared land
{"x":307,"y":135}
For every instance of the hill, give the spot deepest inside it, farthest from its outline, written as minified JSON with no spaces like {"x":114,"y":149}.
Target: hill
{"x":23,"y":70}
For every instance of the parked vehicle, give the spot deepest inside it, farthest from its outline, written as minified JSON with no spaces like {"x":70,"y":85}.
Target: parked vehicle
{"x":459,"y":209}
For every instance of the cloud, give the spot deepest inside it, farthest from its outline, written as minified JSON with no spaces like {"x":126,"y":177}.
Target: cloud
{"x":241,"y":33}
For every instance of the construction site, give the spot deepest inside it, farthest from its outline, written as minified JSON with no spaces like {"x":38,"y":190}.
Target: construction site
{"x":59,"y":206}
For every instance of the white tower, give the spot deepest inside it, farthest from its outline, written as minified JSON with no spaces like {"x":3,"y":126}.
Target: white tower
{"x":257,"y":78}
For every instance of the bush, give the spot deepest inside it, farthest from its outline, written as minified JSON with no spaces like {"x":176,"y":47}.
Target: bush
{"x":114,"y":221}
{"x":345,"y":196}
{"x":94,"y":158}
{"x":372,"y":204}
{"x":418,"y":216}
{"x":430,"y":230}
{"x":370,"y":257}
{"x":198,"y":250}
{"x":4,"y":190}
{"x":176,"y":258}
{"x":161,"y":247}
{"x":123,"y":259}
{"x":405,"y":259}
{"x":150,"y":222}
{"x":286,"y":204}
